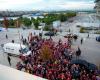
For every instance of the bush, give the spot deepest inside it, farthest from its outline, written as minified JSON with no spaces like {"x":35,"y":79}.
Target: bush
{"x":97,"y":32}
{"x":82,"y":30}
{"x":47,"y":28}
{"x":12,"y":27}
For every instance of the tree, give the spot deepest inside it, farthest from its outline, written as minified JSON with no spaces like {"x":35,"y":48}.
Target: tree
{"x":27,"y":22}
{"x":17,"y":23}
{"x":5,"y":23}
{"x":71,"y":14}
{"x":39,"y":19}
{"x":47,"y":20}
{"x":62,"y":17}
{"x":36,"y":24}
{"x":32,"y":19}
{"x":20,"y":19}
{"x":46,"y":53}
{"x":11,"y":22}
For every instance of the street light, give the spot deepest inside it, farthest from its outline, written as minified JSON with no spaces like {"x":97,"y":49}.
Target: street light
{"x":18,"y":26}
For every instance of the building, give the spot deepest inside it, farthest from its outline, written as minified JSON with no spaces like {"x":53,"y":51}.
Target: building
{"x":7,"y":73}
{"x":97,"y":7}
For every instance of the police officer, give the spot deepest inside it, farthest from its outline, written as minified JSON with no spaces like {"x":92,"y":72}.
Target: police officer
{"x":9,"y":60}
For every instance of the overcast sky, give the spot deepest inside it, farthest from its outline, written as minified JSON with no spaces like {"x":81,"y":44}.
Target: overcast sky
{"x":46,"y":4}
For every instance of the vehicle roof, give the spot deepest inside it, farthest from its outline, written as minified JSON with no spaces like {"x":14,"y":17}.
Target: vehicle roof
{"x":14,"y":45}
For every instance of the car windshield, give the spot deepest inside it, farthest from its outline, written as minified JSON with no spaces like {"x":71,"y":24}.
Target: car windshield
{"x":25,"y":50}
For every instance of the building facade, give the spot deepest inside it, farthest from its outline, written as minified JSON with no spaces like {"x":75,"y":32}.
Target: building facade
{"x":97,"y":7}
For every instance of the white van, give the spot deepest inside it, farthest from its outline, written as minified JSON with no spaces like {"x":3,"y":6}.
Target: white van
{"x":16,"y":49}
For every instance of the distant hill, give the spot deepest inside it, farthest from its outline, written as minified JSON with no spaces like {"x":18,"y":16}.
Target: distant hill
{"x":64,"y":11}
{"x":15,"y":13}
{"x":20,"y":13}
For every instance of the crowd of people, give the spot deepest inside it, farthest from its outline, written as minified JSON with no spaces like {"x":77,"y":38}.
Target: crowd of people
{"x":58,"y":67}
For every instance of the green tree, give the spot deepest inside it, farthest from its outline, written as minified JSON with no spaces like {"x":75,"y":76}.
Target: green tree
{"x":27,"y":22}
{"x":62,"y":17}
{"x":32,"y":19}
{"x":11,"y":22}
{"x":47,"y":20}
{"x":71,"y":14}
{"x":36,"y":24}
{"x":39,"y":19}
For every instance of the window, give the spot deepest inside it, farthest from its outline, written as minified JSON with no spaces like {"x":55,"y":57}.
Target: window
{"x":25,"y":50}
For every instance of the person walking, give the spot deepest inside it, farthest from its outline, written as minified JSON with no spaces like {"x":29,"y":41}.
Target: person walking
{"x":69,"y":31}
{"x":78,"y":53}
{"x":6,"y":36}
{"x":9,"y":60}
{"x":88,"y":35}
{"x":12,"y":41}
{"x":21,"y":37}
{"x":81,"y":40}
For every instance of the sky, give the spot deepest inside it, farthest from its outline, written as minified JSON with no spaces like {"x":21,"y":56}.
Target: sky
{"x":46,"y":5}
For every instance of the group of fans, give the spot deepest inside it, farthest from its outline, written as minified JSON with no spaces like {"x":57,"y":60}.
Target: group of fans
{"x":57,"y":65}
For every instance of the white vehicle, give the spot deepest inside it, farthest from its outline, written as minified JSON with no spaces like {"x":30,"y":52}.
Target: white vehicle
{"x":16,"y":49}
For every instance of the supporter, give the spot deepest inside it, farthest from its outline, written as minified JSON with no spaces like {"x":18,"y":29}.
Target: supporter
{"x":57,"y":68}
{"x":19,"y":66}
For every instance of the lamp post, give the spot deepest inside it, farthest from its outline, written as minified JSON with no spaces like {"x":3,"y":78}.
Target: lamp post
{"x":18,"y":26}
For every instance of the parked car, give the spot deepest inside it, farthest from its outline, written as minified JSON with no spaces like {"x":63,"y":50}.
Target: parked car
{"x":71,"y":36}
{"x":98,"y":38}
{"x":49,"y":34}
